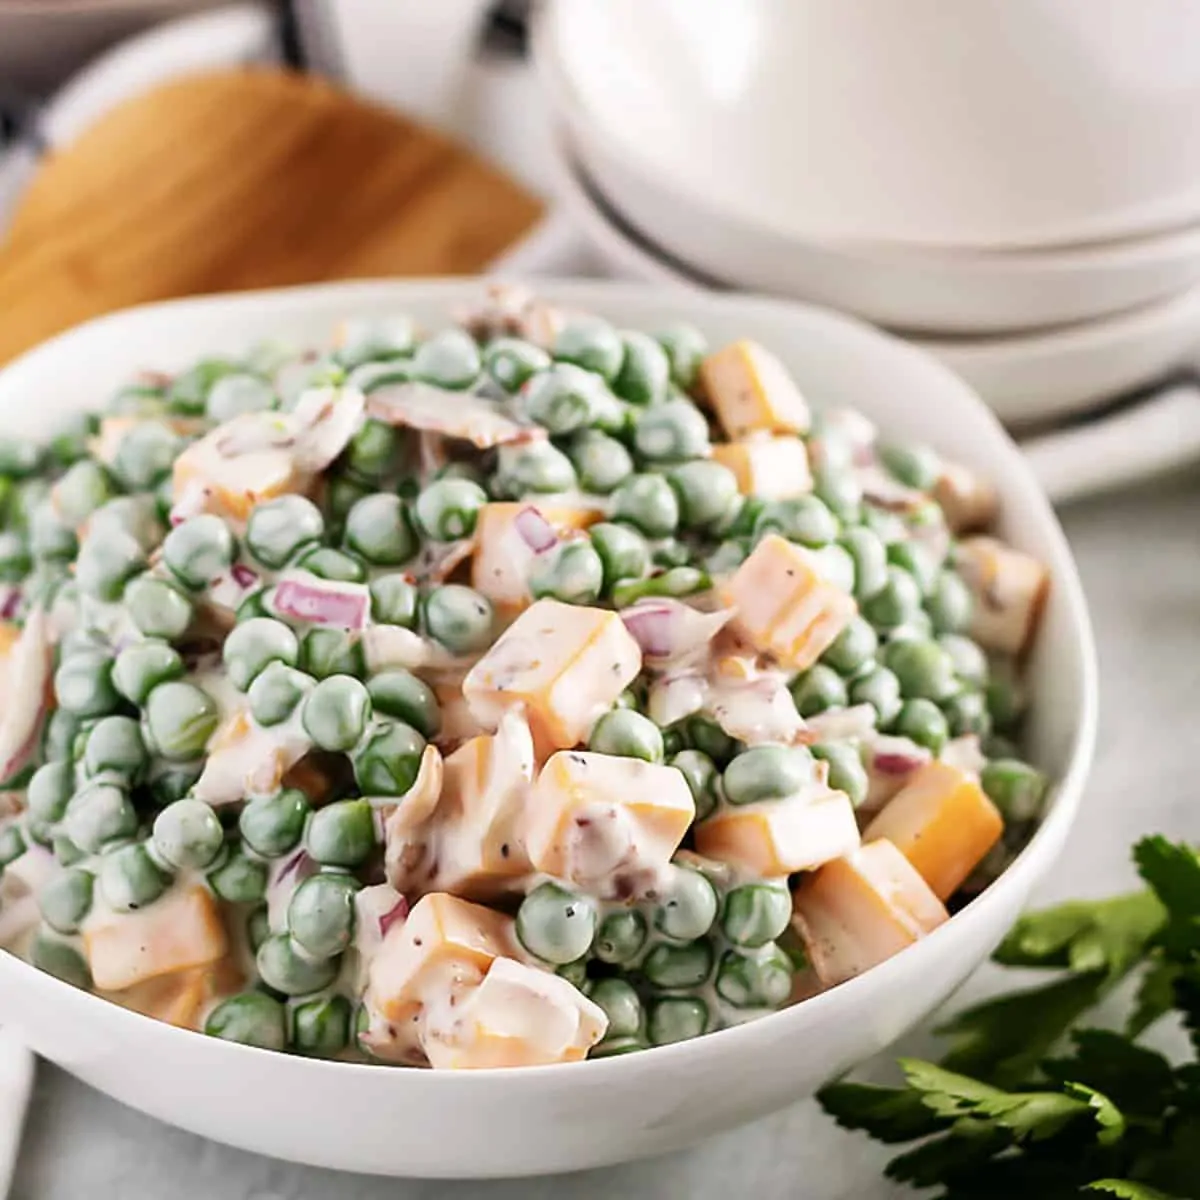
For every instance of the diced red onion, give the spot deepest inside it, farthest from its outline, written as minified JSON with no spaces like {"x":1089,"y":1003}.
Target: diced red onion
{"x":300,"y":865}
{"x":242,"y":575}
{"x":12,"y":603}
{"x":653,"y":627}
{"x":895,"y":762}
{"x":343,"y":607}
{"x":398,"y":912}
{"x":534,"y":530}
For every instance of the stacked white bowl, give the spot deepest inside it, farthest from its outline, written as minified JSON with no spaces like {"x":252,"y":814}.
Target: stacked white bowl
{"x":1014,"y":186}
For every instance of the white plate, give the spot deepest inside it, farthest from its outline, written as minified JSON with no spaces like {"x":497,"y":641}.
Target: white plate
{"x":578,"y":1115}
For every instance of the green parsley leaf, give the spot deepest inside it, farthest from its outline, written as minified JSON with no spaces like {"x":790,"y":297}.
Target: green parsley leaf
{"x":1126,"y":1189}
{"x":889,"y":1115}
{"x":1173,"y":872}
{"x":1155,"y":996}
{"x":1139,"y":1080}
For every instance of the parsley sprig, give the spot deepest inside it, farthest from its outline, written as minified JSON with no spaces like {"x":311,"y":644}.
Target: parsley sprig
{"x":1029,"y":1102}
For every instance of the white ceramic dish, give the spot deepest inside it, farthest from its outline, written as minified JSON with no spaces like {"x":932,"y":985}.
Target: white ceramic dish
{"x":543,"y":1119}
{"x":729,"y":132}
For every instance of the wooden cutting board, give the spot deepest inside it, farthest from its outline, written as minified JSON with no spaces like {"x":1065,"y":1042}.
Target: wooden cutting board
{"x":244,"y":179}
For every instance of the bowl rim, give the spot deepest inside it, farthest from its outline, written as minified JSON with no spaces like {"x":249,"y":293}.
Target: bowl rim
{"x":448,"y":293}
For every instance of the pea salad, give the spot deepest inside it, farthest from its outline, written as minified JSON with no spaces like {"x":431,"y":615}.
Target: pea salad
{"x":502,"y":694}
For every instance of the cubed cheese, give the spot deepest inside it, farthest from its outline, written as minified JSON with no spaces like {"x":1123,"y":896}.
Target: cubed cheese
{"x":601,"y":821}
{"x":519,"y":1016}
{"x":502,"y":559}
{"x":181,"y":998}
{"x":751,"y":390}
{"x":206,"y":481}
{"x":445,"y":943}
{"x":968,"y":500}
{"x":1009,"y":589}
{"x":246,"y":759}
{"x":861,"y":909}
{"x":785,"y":607}
{"x":943,"y":823}
{"x":565,"y":663}
{"x":181,"y":930}
{"x":770,"y":838}
{"x":775,"y":468}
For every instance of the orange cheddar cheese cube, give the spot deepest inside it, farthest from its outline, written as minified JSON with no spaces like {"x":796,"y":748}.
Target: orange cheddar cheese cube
{"x":967,"y":499}
{"x":858,"y":910}
{"x":502,"y":558}
{"x":107,"y":442}
{"x":565,"y":663}
{"x":785,"y":607}
{"x":1009,"y":589}
{"x":595,"y":819}
{"x":181,"y":998}
{"x":770,"y":838}
{"x":775,"y":468}
{"x":445,"y":944}
{"x":943,"y":823}
{"x":183,"y":929}
{"x":519,"y":1016}
{"x":752,"y":390}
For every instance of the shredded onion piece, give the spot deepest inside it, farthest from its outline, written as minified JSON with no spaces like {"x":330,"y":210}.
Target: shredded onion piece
{"x":337,"y":605}
{"x":668,"y":630}
{"x":535,"y":531}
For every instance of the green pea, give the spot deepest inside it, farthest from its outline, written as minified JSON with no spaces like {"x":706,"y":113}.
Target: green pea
{"x":555,"y":925}
{"x":767,"y":773}
{"x":459,"y":617}
{"x":338,"y":566}
{"x":685,"y":966}
{"x":448,"y":508}
{"x":278,"y":528}
{"x":575,"y":973}
{"x":187,"y":835}
{"x":115,"y":746}
{"x":379,"y":529}
{"x":258,"y":927}
{"x":572,"y":572}
{"x":180,"y":718}
{"x":627,"y":734}
{"x":918,"y":560}
{"x":372,"y":339}
{"x":61,"y":960}
{"x":897,"y":603}
{"x":321,"y":914}
{"x":12,"y":845}
{"x":762,"y":980}
{"x":621,"y":936}
{"x":157,"y":609}
{"x":129,"y":878}
{"x":687,"y":906}
{"x":600,"y":461}
{"x":804,"y":519}
{"x":238,"y":393}
{"x":389,"y":760}
{"x":239,"y":878}
{"x":275,"y":693}
{"x":394,"y":600}
{"x":818,"y":689}
{"x":686,"y":347}
{"x":1005,"y":701}
{"x":923,"y":668}
{"x":511,"y":361}
{"x":671,"y":432}
{"x":336,"y":712}
{"x":15,"y":561}
{"x":61,"y":731}
{"x":85,"y":486}
{"x":328,"y":652}
{"x":870,"y":561}
{"x":400,"y":694}
{"x":913,"y":464}
{"x":923,"y":722}
{"x":140,"y":399}
{"x":879,"y":688}
{"x":273,"y":825}
{"x":623,"y":552}
{"x":285,"y":968}
{"x":852,"y":649}
{"x":726,"y":558}
{"x":846,"y":770}
{"x":188,"y":392}
{"x":132,"y":516}
{"x":678,"y":581}
{"x":341,"y":834}
{"x":251,"y":1018}
{"x":704,"y":734}
{"x":671,"y":553}
{"x":49,"y":538}
{"x":19,"y":457}
{"x":1017,"y":789}
{"x":199,"y":550}
{"x":707,"y":492}
{"x":374,"y":451}
{"x":49,"y":791}
{"x":106,"y":562}
{"x":67,"y":899}
{"x":565,"y":398}
{"x":647,"y":502}
{"x":840,"y":491}
{"x":145,"y":454}
{"x":676,"y":1019}
{"x":533,"y":467}
{"x":175,"y":783}
{"x":621,"y":1006}
{"x":321,"y":1027}
{"x":755,"y":914}
{"x":611,"y":1047}
{"x":251,"y":646}
{"x":592,"y":344}
{"x":701,"y":775}
{"x":645,"y":370}
{"x":968,"y":659}
{"x":449,"y":359}
{"x":949,"y":603}
{"x":83,"y":684}
{"x":967,"y":712}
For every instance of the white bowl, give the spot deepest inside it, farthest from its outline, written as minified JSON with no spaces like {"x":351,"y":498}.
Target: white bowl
{"x":544,"y":1119}
{"x":728,"y":131}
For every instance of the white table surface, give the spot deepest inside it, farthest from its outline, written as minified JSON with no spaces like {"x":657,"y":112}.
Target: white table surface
{"x":1140,"y":557}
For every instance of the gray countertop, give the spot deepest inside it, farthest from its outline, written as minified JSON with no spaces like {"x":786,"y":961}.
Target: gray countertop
{"x":1140,"y":558}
